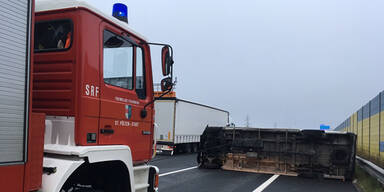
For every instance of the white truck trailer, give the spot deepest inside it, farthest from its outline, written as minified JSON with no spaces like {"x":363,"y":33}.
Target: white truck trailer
{"x":180,"y":124}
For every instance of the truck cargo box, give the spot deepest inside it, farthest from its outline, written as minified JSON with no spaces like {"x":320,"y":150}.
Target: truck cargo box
{"x":279,"y":151}
{"x":180,"y":123}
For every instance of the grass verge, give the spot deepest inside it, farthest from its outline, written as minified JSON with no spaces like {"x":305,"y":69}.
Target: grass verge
{"x":366,"y":182}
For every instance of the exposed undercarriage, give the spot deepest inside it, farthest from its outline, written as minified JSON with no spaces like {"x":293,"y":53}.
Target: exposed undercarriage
{"x":312,"y":153}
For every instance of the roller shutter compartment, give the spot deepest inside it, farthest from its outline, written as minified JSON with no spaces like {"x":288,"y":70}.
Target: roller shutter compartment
{"x":14,"y":70}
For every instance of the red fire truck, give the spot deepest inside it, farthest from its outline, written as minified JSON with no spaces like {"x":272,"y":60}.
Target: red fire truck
{"x":76,"y":99}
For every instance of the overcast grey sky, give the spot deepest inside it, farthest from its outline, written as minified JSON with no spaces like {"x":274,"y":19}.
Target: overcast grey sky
{"x":295,"y":63}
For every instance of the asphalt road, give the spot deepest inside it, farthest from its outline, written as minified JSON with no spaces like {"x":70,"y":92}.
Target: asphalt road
{"x":179,"y":174}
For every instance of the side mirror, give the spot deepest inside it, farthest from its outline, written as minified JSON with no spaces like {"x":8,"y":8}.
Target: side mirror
{"x":166,"y":84}
{"x":166,"y":60}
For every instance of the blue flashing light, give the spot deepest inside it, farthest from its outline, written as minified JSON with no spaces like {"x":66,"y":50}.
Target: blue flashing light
{"x":120,"y":11}
{"x":324,"y":127}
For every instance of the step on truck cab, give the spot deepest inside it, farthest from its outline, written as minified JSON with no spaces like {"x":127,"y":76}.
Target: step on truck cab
{"x":77,"y":109}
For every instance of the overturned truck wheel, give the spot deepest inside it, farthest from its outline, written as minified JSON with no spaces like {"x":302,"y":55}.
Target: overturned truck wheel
{"x":206,"y":162}
{"x":211,"y":148}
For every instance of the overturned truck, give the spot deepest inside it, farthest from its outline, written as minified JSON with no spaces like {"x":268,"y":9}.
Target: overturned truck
{"x":311,"y":153}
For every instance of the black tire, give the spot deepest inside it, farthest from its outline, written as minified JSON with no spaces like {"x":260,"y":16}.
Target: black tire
{"x":200,"y":160}
{"x":195,"y":147}
{"x":350,"y":173}
{"x":98,"y":177}
{"x":349,"y":176}
{"x":179,"y":149}
{"x":79,"y":188}
{"x":188,"y":148}
{"x":205,"y":163}
{"x":170,"y":152}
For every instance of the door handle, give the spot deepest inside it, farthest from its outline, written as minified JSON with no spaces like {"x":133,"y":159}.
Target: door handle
{"x":107,"y":130}
{"x":146,"y":132}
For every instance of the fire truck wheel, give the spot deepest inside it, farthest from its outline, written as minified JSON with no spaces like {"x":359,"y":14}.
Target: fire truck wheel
{"x":80,"y":188}
{"x":111,"y":176}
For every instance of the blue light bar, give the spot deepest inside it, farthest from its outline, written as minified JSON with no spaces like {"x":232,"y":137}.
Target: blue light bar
{"x":120,"y":11}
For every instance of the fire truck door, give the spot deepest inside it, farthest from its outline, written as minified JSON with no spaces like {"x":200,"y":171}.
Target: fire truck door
{"x":122,"y":94}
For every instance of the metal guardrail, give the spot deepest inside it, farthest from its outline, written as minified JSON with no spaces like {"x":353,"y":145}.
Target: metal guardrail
{"x":372,"y":169}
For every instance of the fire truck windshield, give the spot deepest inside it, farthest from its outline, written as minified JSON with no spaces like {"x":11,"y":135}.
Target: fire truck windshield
{"x":53,"y":35}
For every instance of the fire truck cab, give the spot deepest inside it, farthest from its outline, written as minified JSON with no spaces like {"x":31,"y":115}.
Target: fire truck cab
{"x":90,"y":106}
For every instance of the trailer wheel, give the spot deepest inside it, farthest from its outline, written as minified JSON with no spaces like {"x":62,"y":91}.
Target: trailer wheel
{"x":188,"y":148}
{"x":168,"y":152}
{"x":195,"y":148}
{"x":200,"y":160}
{"x":350,"y":172}
{"x":179,"y":148}
{"x":349,"y":176}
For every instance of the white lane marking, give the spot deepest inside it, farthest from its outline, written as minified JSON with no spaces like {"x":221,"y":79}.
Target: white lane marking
{"x":181,"y":170}
{"x":266,"y":184}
